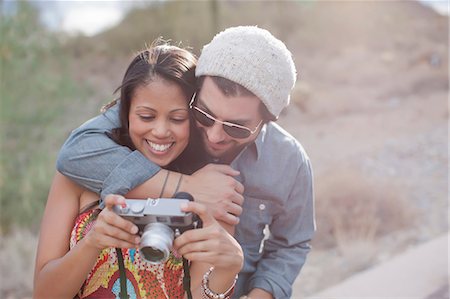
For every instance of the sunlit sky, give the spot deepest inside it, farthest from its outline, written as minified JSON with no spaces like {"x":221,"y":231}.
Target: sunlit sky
{"x":85,"y":16}
{"x":90,"y":17}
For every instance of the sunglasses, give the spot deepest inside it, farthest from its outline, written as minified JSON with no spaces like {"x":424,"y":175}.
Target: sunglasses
{"x":232,"y":129}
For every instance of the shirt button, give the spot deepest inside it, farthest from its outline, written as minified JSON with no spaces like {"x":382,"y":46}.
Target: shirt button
{"x":262,"y":207}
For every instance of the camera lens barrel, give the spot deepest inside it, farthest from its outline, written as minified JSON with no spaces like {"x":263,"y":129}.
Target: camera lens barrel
{"x":156,"y":242}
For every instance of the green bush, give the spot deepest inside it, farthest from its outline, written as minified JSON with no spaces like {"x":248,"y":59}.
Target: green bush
{"x":35,"y":88}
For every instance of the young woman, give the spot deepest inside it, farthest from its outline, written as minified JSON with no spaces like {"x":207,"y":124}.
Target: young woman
{"x":78,"y":253}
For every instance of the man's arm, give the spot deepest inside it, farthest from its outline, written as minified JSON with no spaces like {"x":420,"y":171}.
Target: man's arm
{"x":212,"y":185}
{"x":90,"y":158}
{"x":288,"y":245}
{"x":93,"y":160}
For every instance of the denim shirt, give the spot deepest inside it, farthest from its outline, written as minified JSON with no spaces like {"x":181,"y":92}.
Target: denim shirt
{"x":90,"y":158}
{"x":275,"y":171}
{"x":278,"y":181}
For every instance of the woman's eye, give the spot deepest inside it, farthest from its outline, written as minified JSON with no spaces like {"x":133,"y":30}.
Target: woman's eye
{"x":146,"y":117}
{"x":179,"y":119}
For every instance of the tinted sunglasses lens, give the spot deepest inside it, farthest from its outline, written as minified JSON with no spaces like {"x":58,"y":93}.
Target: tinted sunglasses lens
{"x":236,"y":132}
{"x":206,"y":121}
{"x":202,"y":118}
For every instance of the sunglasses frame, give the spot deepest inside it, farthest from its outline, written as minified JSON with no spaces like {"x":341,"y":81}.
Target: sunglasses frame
{"x":224,"y":124}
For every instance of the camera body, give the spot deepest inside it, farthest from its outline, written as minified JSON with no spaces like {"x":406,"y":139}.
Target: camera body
{"x":159,"y":221}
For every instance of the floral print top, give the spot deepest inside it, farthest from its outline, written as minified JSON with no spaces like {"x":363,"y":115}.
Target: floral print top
{"x":144,"y":280}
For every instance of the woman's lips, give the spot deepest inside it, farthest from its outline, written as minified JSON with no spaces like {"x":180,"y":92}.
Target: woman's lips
{"x":159,"y":148}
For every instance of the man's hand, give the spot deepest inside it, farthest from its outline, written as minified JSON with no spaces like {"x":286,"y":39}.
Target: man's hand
{"x":214,"y":186}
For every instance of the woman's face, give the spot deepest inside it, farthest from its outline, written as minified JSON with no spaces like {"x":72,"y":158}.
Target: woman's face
{"x":159,"y":121}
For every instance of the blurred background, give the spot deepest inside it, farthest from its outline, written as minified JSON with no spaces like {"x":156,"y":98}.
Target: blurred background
{"x":370,"y":107}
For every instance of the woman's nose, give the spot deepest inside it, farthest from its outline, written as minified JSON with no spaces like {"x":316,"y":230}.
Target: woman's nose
{"x":161,"y":129}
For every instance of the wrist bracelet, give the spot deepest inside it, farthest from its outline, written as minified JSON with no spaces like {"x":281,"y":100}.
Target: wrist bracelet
{"x":208,"y":294}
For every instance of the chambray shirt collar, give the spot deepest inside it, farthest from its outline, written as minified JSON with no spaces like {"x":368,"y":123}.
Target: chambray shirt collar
{"x":255,"y":148}
{"x":259,"y":141}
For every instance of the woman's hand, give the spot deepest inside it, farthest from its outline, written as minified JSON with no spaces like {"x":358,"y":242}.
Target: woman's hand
{"x":110,"y":229}
{"x":211,"y":244}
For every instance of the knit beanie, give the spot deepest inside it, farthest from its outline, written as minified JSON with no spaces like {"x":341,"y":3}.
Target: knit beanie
{"x":255,"y":59}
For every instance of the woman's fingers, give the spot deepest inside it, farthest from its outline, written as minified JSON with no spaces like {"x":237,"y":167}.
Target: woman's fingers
{"x":111,"y":230}
{"x":112,"y":200}
{"x":210,"y":244}
{"x":111,"y":218}
{"x":114,"y":242}
{"x":196,"y":240}
{"x":195,"y":235}
{"x":201,"y":211}
{"x":117,"y":230}
{"x":219,"y":254}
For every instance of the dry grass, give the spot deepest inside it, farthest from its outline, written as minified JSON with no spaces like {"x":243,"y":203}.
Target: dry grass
{"x":352,"y":208}
{"x":360,"y":221}
{"x":17,"y":253}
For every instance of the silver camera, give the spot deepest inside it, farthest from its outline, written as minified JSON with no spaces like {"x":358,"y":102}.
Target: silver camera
{"x":159,"y":221}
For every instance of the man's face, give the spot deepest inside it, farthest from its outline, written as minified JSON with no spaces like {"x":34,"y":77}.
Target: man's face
{"x":240,"y":110}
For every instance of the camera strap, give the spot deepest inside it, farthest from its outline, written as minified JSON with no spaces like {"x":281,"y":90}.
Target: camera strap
{"x":187,"y":278}
{"x":123,"y":277}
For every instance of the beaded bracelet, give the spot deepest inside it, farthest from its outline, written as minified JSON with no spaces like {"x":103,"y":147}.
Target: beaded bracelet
{"x":208,"y":294}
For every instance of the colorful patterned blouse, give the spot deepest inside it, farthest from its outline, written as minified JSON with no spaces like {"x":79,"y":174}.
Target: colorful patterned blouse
{"x":144,"y":280}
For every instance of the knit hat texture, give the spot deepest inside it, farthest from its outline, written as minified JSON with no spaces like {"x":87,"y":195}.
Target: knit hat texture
{"x":255,"y":59}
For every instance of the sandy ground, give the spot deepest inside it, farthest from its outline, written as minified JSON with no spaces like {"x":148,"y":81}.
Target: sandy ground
{"x":372,"y":104}
{"x":418,"y":273}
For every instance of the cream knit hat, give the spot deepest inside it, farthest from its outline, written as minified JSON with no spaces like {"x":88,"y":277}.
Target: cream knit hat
{"x":253,"y":58}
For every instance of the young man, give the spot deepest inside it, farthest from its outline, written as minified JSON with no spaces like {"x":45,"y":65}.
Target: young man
{"x":245,"y":79}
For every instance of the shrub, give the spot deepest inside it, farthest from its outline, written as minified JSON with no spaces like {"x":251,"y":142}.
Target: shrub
{"x":35,"y":87}
{"x":352,"y":208}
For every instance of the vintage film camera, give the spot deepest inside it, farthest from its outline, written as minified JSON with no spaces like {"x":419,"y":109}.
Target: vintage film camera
{"x":159,"y":221}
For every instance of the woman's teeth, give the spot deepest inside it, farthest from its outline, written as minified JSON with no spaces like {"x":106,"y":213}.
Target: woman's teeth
{"x":159,"y":147}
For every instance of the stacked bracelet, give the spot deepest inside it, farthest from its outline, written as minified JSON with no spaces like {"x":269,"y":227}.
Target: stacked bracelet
{"x":208,"y":294}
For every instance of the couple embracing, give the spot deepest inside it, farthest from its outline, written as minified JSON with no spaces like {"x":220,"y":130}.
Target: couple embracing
{"x":204,"y":127}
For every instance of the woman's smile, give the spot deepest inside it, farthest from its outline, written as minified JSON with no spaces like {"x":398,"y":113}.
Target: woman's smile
{"x":159,"y":148}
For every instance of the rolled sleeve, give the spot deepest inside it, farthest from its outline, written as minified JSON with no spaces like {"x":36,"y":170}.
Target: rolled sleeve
{"x":131,"y":172}
{"x":285,"y":250}
{"x":93,"y":160}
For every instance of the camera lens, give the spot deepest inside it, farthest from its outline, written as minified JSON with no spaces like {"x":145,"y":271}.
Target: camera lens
{"x":156,"y":243}
{"x":152,"y":254}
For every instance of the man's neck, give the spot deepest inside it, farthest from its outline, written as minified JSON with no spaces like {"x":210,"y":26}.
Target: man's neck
{"x":229,"y":157}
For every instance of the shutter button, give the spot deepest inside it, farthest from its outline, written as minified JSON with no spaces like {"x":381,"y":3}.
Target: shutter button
{"x":138,"y":207}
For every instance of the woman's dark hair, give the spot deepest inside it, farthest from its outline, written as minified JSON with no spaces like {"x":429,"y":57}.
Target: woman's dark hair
{"x":170,"y":63}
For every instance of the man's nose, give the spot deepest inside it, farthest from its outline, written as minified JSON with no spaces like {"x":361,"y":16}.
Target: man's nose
{"x":216,"y":133}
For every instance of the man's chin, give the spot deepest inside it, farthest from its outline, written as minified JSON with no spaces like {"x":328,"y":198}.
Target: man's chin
{"x":213,"y":153}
